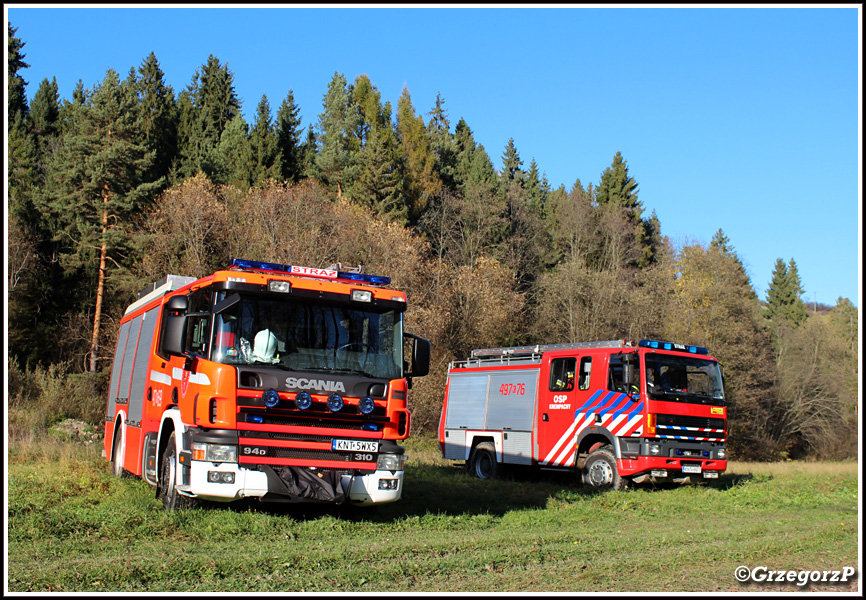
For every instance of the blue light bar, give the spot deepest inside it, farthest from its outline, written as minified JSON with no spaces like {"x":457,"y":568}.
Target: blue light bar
{"x":672,"y":346}
{"x":255,"y":265}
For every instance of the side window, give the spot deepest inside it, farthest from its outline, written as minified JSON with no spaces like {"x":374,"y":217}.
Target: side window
{"x":198,"y":334}
{"x":615,"y":379}
{"x":585,"y":371}
{"x":623,"y":373}
{"x":198,"y":322}
{"x":562,"y":371}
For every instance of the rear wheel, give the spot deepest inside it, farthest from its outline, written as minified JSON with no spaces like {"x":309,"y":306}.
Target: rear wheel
{"x":171,"y":498}
{"x":116,"y":459}
{"x":482,"y":462}
{"x":599,"y":470}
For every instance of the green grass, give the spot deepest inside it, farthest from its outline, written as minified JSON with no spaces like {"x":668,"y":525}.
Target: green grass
{"x":74,"y":528}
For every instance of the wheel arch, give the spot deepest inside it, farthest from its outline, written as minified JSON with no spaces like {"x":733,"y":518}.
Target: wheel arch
{"x":589,"y":440}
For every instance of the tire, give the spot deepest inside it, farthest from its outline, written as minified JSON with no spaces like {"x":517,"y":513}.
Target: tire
{"x":116,"y":464}
{"x":600,"y":472}
{"x":482,"y":461}
{"x":171,"y":498}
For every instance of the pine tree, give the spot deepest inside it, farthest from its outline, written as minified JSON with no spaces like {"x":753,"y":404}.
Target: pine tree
{"x":95,"y":186}
{"x":288,"y":129}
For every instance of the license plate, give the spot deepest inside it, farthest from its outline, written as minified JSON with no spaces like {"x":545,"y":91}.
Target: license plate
{"x":355,"y":446}
{"x":691,"y":468}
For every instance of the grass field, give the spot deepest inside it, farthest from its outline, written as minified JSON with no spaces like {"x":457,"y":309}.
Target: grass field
{"x":72,"y":527}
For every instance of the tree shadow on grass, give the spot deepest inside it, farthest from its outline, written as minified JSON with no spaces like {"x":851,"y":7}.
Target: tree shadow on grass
{"x":443,"y":490}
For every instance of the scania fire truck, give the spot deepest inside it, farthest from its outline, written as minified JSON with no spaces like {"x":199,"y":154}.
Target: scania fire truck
{"x":616,"y":412}
{"x":264,"y":380}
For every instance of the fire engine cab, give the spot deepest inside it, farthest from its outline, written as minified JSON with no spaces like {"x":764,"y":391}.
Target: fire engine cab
{"x":265,"y":381}
{"x":615,"y":411}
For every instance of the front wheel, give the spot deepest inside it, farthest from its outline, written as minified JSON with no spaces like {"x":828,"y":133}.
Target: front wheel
{"x":599,"y":470}
{"x":482,"y":462}
{"x":171,"y":498}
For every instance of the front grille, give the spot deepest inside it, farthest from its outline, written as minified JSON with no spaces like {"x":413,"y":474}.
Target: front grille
{"x":684,"y":421}
{"x":320,"y":423}
{"x":307,"y":454}
{"x":276,"y":435}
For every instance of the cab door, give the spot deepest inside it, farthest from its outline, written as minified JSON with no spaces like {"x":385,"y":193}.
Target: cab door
{"x":557,"y":398}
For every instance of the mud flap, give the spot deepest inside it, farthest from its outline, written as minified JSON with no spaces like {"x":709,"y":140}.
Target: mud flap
{"x":297,"y":484}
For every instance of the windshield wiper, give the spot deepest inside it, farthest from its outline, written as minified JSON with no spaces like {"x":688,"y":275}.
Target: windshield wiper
{"x":353,"y":371}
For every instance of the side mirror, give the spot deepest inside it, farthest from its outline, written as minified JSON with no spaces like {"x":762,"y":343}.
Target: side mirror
{"x":420,"y":356}
{"x":173,"y":337}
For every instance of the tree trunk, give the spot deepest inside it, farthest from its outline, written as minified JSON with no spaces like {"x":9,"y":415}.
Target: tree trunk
{"x":100,"y":288}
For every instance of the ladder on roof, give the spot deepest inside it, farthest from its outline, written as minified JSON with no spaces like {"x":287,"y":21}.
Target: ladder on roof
{"x":516,"y":351}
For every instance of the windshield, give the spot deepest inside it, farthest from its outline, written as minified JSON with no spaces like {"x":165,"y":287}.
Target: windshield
{"x":684,"y":379}
{"x":302,"y":336}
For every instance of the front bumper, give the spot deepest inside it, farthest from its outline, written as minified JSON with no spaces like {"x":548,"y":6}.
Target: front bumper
{"x":238,"y":481}
{"x":675,"y":459}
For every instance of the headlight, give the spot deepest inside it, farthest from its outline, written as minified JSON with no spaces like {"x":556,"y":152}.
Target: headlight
{"x":654,"y":449}
{"x":721,"y":453}
{"x":303,"y":400}
{"x":390,"y":462}
{"x":366,"y":405}
{"x":335,"y":403}
{"x":214,"y":452}
{"x":270,"y":398}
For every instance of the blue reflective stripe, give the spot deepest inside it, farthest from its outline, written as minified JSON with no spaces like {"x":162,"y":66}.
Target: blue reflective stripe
{"x":609,"y":405}
{"x":637,"y":409}
{"x":600,"y":403}
{"x":589,"y":402}
{"x":622,"y":410}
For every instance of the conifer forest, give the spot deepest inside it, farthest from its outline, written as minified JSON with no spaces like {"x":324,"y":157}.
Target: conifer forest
{"x":120,"y":184}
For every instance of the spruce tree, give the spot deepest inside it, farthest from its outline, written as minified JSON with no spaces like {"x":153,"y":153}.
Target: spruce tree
{"x":206,"y":107}
{"x":442,"y":144}
{"x":420,"y":180}
{"x":377,"y":181}
{"x":797,"y":312}
{"x":16,"y":100}
{"x":232,"y":162}
{"x":263,"y":146}
{"x":159,"y":118}
{"x":288,"y":130}
{"x":511,"y":165}
{"x":335,"y":161}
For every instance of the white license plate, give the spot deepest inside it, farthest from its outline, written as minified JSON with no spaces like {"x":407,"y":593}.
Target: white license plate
{"x":691,"y":468}
{"x":355,"y":446}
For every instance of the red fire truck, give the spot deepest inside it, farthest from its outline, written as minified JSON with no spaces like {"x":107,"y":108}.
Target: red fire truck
{"x":614,"y":411}
{"x":267,"y":381}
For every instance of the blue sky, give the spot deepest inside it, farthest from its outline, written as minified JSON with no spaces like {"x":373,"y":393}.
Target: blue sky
{"x":740,"y":118}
